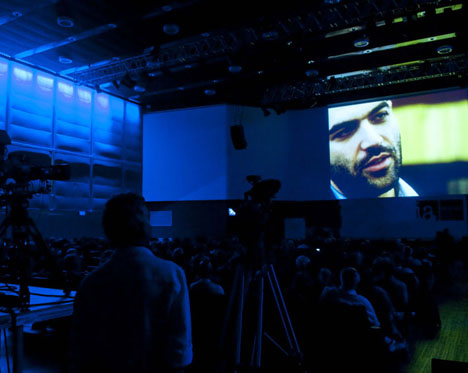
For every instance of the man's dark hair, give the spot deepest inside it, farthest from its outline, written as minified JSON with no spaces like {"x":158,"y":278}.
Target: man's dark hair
{"x":349,"y":278}
{"x":125,"y":220}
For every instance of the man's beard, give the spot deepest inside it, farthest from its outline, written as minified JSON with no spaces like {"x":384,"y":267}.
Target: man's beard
{"x":359,"y":184}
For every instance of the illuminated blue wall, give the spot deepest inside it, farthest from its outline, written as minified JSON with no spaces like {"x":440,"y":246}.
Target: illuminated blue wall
{"x":97,"y":134}
{"x":188,"y":153}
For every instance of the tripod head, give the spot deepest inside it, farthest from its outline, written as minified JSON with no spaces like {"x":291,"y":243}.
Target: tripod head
{"x":253,"y":217}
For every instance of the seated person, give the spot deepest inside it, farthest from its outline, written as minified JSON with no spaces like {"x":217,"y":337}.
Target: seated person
{"x":346,"y":293}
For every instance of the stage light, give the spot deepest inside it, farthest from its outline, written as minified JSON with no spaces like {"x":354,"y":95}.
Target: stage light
{"x":171,"y":29}
{"x":139,"y":88}
{"x":235,"y":69}
{"x":65,"y":60}
{"x":361,"y":42}
{"x":445,"y":49}
{"x":210,"y":92}
{"x":64,"y":21}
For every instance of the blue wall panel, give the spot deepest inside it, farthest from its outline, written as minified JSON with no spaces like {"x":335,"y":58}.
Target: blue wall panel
{"x":98,"y":135}
{"x":72,"y":143}
{"x":133,"y":134}
{"x":3,"y":92}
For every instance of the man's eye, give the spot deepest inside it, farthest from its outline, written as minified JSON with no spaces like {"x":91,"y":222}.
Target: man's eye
{"x":380,"y":117}
{"x":342,"y":133}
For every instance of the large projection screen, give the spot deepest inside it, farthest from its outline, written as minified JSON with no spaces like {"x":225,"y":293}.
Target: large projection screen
{"x":384,"y":147}
{"x":401,"y":147}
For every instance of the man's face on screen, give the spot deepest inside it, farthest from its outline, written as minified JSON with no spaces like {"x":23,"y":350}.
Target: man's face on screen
{"x":365,"y":149}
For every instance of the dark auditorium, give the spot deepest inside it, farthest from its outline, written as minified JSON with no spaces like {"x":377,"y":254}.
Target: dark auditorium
{"x":169,"y":202}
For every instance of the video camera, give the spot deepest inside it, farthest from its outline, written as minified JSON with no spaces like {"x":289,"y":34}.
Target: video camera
{"x":262,"y":191}
{"x":253,"y":217}
{"x":25,"y":166}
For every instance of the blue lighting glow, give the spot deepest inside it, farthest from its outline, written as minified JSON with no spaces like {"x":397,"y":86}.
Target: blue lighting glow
{"x":133,"y":113}
{"x":231,"y":212}
{"x":84,"y":95}
{"x":65,"y":89}
{"x":3,"y":68}
{"x":103,"y":101}
{"x":21,"y":74}
{"x":45,"y":82}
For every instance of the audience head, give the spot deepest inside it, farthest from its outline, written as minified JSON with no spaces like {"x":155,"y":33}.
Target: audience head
{"x":325,"y":276}
{"x":125,"y":220}
{"x":302,"y":263}
{"x":203,"y":267}
{"x":383,"y":267}
{"x":349,"y":278}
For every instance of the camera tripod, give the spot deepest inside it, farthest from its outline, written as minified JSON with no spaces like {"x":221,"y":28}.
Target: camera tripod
{"x":23,"y":229}
{"x":253,"y":278}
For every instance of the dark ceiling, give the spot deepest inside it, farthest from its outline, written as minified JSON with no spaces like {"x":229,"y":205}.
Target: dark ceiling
{"x":279,"y":55}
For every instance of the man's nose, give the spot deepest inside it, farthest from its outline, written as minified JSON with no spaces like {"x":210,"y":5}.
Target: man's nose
{"x":369,"y":135}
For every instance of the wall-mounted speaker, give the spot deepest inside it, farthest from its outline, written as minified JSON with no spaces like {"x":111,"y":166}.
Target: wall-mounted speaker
{"x":238,"y":137}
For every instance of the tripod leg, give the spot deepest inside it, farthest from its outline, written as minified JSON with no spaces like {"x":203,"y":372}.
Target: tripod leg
{"x":259,"y":331}
{"x":281,"y":305}
{"x":239,"y":321}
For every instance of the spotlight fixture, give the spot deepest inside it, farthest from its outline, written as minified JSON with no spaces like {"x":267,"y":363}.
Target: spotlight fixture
{"x":64,"y":21}
{"x":235,"y":69}
{"x":171,"y":29}
{"x":445,"y":49}
{"x":210,"y":92}
{"x":139,"y":88}
{"x":65,"y":60}
{"x":361,"y":42}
